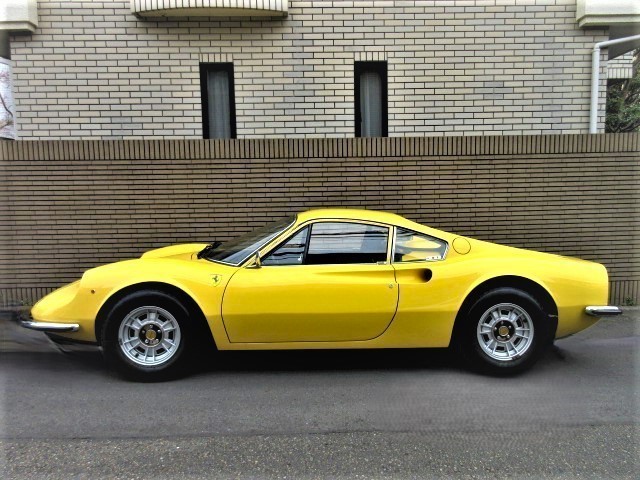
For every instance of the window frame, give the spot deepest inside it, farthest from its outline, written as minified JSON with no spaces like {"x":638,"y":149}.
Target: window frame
{"x":381,"y":68}
{"x":282,"y":244}
{"x":310,"y":223}
{"x":393,"y":247}
{"x":205,"y":69}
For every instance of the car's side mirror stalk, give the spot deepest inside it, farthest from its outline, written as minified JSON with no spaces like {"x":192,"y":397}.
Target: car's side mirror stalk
{"x":256,"y":261}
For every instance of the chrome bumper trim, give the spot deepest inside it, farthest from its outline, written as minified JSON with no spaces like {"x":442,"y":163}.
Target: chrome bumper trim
{"x":27,"y":322}
{"x":603,"y":311}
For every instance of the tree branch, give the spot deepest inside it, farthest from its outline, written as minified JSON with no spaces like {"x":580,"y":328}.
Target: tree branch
{"x":4,"y":104}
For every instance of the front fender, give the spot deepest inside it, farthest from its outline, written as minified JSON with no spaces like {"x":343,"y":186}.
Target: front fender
{"x":81,"y":301}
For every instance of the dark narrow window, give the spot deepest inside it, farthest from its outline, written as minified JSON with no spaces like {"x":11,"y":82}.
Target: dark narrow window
{"x":370,"y":99}
{"x":218,"y":102}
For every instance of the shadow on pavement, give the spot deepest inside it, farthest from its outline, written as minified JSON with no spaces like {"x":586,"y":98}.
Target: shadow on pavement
{"x":334,"y":360}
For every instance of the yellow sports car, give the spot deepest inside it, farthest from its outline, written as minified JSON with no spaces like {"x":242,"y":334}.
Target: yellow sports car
{"x":323,"y":279}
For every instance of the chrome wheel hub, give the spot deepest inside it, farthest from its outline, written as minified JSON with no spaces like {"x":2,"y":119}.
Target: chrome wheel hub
{"x":505,"y":332}
{"x":149,"y":336}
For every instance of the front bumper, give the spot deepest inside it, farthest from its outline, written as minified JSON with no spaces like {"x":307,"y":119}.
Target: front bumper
{"x":27,"y":322}
{"x":603,"y":311}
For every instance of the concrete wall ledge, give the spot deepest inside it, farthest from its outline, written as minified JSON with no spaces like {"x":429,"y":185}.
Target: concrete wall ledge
{"x":598,"y":13}
{"x":280,"y":148}
{"x":19,"y":16}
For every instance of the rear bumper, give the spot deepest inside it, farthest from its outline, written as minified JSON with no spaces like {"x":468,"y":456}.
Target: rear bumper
{"x":602,"y":311}
{"x":27,"y":321}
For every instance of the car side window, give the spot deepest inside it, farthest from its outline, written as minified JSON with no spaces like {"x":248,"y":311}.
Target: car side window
{"x":343,"y":243}
{"x":291,"y":252}
{"x":417,"y":247}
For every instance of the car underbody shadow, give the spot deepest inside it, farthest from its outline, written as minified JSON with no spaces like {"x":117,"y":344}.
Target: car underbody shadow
{"x":90,"y":361}
{"x":328,"y":360}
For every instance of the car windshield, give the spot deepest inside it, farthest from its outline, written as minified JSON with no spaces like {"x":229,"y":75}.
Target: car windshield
{"x":238,"y":250}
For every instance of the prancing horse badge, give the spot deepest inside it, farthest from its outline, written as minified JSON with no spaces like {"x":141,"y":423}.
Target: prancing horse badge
{"x":216,"y":279}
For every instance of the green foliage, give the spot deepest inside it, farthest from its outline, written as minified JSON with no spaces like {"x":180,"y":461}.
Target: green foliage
{"x":623,"y":104}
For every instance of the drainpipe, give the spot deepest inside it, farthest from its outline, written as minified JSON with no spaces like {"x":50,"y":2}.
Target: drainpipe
{"x":595,"y":77}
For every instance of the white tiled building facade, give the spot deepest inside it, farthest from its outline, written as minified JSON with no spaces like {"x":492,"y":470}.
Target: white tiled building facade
{"x":621,"y":67}
{"x":95,"y":70}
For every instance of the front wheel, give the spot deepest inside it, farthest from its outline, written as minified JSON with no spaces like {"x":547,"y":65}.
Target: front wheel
{"x":146,"y":336}
{"x":505,"y":332}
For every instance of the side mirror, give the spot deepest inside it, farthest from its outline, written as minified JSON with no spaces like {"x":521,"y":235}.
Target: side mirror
{"x":256,"y":261}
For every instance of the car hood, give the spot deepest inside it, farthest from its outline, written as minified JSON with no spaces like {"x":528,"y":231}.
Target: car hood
{"x":184,"y":251}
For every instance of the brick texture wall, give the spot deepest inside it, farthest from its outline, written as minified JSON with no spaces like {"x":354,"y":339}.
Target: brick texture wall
{"x":70,"y":205}
{"x":620,"y":67}
{"x":93,"y":70}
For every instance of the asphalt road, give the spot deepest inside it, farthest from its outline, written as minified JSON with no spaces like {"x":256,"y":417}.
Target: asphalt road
{"x":386,"y":414}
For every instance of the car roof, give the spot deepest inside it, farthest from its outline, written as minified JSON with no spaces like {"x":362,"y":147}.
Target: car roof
{"x":354,"y":214}
{"x":372,"y":216}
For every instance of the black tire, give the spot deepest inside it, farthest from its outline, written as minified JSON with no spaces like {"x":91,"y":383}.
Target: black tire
{"x":471,"y":346}
{"x":123,"y":363}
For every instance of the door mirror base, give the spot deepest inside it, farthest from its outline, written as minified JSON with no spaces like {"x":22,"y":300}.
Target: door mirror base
{"x":256,"y":261}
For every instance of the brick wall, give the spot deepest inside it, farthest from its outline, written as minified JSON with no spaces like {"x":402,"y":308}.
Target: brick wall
{"x":93,"y":70}
{"x":620,"y":67}
{"x":66,"y":206}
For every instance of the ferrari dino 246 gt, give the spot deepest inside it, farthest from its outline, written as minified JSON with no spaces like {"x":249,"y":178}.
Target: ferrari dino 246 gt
{"x":325,"y":279}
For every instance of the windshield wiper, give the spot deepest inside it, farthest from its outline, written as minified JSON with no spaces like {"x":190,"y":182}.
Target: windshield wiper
{"x":208,"y":248}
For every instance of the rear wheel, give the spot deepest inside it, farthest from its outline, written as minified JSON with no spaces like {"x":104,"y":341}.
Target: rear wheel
{"x":147,"y":335}
{"x":505,"y":332}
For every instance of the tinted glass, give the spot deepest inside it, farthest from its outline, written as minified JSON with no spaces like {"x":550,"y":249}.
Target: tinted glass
{"x":339,"y":243}
{"x":417,"y":247}
{"x":291,"y":253}
{"x":236,"y":251}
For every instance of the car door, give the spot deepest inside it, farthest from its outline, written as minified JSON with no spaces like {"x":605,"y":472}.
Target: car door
{"x":429,"y":284}
{"x":331,"y":281}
